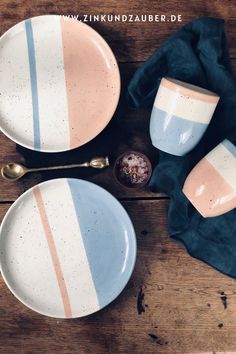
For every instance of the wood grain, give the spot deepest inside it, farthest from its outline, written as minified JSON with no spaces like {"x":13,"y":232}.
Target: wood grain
{"x":132,"y":41}
{"x":182,"y":302}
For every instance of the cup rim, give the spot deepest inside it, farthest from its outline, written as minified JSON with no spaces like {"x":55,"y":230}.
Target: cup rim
{"x":190,"y":90}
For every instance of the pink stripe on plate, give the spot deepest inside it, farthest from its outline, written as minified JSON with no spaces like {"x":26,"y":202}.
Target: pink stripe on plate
{"x":53,"y":252}
{"x":92,"y":81}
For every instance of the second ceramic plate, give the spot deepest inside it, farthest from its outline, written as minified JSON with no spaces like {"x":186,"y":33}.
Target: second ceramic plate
{"x":68,"y":248}
{"x":59,"y":83}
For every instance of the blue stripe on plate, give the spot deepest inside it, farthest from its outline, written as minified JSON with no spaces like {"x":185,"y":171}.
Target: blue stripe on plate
{"x":108,"y":238}
{"x":174,"y":134}
{"x":229,"y":146}
{"x":33,"y":79}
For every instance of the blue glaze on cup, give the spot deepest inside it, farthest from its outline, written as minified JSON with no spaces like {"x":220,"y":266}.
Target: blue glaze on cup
{"x":174,"y":135}
{"x":230,"y":146}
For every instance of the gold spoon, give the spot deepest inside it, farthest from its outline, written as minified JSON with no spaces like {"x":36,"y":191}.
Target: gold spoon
{"x":14,"y":171}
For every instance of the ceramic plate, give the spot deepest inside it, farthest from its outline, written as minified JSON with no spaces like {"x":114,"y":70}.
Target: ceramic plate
{"x":68,"y":248}
{"x":59,"y":83}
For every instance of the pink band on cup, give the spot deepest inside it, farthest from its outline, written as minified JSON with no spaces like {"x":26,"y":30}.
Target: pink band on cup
{"x":205,"y":96}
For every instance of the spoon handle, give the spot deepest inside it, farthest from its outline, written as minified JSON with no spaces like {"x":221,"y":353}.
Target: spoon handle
{"x":85,"y":164}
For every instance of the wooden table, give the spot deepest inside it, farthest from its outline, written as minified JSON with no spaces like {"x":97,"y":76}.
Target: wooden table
{"x":173,"y":303}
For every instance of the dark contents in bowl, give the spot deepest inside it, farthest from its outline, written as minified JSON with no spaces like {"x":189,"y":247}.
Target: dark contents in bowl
{"x":133,"y":169}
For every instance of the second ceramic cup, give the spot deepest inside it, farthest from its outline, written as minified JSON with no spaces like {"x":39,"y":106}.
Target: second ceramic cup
{"x":180,"y":116}
{"x":211,"y":185}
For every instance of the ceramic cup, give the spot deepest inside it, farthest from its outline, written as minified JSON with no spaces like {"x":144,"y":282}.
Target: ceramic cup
{"x":211,"y":185}
{"x":180,"y":116}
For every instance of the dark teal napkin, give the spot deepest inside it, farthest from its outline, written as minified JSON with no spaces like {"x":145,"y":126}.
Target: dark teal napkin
{"x":198,"y":54}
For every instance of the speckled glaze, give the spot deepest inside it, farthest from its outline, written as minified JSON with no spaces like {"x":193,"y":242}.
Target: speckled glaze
{"x":211,"y":185}
{"x":59,"y":83}
{"x":180,"y":116}
{"x":68,"y":248}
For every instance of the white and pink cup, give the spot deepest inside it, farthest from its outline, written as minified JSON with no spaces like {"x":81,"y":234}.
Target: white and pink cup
{"x":180,"y":116}
{"x":211,"y":185}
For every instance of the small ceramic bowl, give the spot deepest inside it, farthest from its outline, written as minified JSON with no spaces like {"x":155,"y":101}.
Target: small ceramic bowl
{"x":132,"y":169}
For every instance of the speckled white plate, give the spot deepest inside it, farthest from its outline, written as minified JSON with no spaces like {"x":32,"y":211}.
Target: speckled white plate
{"x":67,"y":248}
{"x":59,"y":83}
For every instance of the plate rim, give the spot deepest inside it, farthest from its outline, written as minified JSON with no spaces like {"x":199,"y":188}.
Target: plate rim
{"x":134,"y":245}
{"x":17,"y":141}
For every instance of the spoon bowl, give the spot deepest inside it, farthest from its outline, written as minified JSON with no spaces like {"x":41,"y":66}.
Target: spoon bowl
{"x":13,"y":171}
